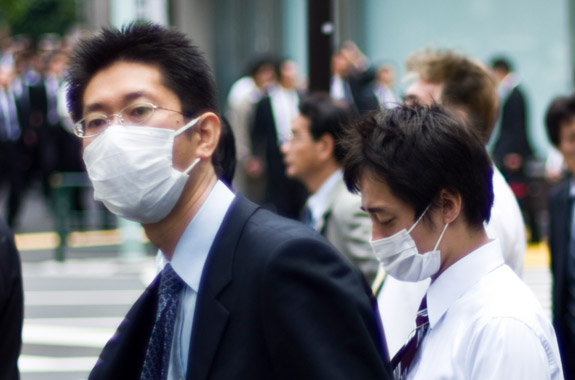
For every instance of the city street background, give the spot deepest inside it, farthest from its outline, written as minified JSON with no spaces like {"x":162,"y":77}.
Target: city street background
{"x":73,"y":307}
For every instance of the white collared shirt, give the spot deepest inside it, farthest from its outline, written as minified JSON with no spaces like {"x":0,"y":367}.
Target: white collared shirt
{"x":317,"y":203}
{"x":188,"y":261}
{"x":484,"y":323}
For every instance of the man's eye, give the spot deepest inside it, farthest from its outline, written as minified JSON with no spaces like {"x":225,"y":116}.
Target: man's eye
{"x":95,"y":123}
{"x":387,"y":222}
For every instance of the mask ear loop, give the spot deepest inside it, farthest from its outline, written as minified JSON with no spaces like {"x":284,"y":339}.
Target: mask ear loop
{"x":187,"y":126}
{"x":191,"y":124}
{"x":418,"y":219}
{"x":440,"y":237}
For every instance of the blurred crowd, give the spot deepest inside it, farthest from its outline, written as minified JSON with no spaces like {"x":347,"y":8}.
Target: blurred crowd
{"x":36,"y":134}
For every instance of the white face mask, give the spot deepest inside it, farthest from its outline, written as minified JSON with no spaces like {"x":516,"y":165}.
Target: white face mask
{"x":401,"y":259}
{"x":132,"y":173}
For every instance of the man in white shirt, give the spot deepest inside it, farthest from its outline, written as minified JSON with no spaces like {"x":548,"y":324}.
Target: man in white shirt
{"x":426,"y":181}
{"x":467,"y":88}
{"x":313,"y":156}
{"x":245,"y":293}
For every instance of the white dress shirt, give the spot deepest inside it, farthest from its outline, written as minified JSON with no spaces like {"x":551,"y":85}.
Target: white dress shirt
{"x":484,"y":323}
{"x":188,"y":262}
{"x":317,"y":202}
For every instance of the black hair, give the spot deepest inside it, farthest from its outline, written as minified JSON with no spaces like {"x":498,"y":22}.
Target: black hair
{"x":326,"y":116}
{"x":561,"y":109}
{"x":502,"y":63}
{"x":419,"y":151}
{"x":184,"y":68}
{"x":224,"y":158}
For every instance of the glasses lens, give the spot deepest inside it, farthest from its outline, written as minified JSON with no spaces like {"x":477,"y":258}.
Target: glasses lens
{"x":138,"y":113}
{"x":93,"y":125}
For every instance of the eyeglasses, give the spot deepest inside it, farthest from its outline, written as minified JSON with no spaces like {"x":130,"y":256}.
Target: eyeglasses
{"x":134,"y":114}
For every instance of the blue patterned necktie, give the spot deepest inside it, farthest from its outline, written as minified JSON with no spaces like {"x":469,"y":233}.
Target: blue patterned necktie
{"x":402,"y":360}
{"x":157,"y":359}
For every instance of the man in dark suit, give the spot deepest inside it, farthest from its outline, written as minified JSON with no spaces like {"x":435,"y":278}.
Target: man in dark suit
{"x":271,"y":128}
{"x":244,"y":294}
{"x":560,"y":121}
{"x":512,"y":150}
{"x":11,"y":305}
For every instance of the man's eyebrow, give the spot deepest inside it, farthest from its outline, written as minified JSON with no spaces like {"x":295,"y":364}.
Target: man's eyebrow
{"x":374,"y":209}
{"x":127,"y":99}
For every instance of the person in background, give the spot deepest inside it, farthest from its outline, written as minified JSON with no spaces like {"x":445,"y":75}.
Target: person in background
{"x":383,"y":86}
{"x":352,"y":77}
{"x":313,"y":156}
{"x":512,"y":151}
{"x":560,"y":123}
{"x":271,"y":128}
{"x":466,"y":87}
{"x":11,"y":305}
{"x":425,"y":179}
{"x":243,"y":96}
{"x":244,"y":293}
{"x":11,"y":166}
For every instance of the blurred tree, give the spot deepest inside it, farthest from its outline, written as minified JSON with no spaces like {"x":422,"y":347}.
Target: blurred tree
{"x":36,"y":17}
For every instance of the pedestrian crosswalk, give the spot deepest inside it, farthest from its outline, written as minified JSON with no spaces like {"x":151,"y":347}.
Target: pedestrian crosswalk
{"x":72,"y":309}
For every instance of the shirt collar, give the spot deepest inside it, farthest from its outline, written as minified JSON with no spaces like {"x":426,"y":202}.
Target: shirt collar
{"x":194,"y":245}
{"x":317,"y":203}
{"x":460,"y":277}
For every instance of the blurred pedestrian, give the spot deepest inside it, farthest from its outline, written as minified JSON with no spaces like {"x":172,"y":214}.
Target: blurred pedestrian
{"x":560,"y":121}
{"x":11,"y":305}
{"x":426,"y":181}
{"x":466,"y":87}
{"x":383,"y":86}
{"x":271,"y":128}
{"x":11,"y":173}
{"x":512,"y":151}
{"x":313,"y":156}
{"x":244,"y":293}
{"x":352,"y":78}
{"x":242,"y":98}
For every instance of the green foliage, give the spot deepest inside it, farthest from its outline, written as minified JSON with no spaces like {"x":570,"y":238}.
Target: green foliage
{"x":36,"y":17}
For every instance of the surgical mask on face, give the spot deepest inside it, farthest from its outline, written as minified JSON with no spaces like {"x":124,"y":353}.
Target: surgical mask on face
{"x":132,"y":173}
{"x":400,"y":258}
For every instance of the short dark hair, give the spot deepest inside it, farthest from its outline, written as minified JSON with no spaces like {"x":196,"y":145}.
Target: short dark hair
{"x":501,"y":63}
{"x":326,"y":116}
{"x":418,"y":151}
{"x":184,"y":68}
{"x":561,"y":109}
{"x":224,"y":158}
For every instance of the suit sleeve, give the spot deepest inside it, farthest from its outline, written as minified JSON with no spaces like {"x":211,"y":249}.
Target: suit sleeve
{"x":319,"y":319}
{"x":11,"y":305}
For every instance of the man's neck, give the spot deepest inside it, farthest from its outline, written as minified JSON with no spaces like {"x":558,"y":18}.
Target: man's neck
{"x":314,"y":182}
{"x":166,"y":233}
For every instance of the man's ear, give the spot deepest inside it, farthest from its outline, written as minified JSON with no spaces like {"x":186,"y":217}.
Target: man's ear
{"x":208,"y":129}
{"x":326,"y":146}
{"x":451,"y":205}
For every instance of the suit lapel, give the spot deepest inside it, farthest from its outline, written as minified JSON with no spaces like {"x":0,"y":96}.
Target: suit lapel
{"x":211,"y":315}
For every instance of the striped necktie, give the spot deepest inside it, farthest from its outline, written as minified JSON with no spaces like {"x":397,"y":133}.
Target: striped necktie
{"x":402,"y":360}
{"x":156,"y":363}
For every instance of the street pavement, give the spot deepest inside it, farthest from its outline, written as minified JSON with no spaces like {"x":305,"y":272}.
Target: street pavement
{"x":73,"y":307}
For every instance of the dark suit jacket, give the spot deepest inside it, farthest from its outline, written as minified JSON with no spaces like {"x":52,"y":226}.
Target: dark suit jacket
{"x":11,"y":305}
{"x":513,"y":134}
{"x":286,"y":195}
{"x":276,"y":301}
{"x":560,"y":219}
